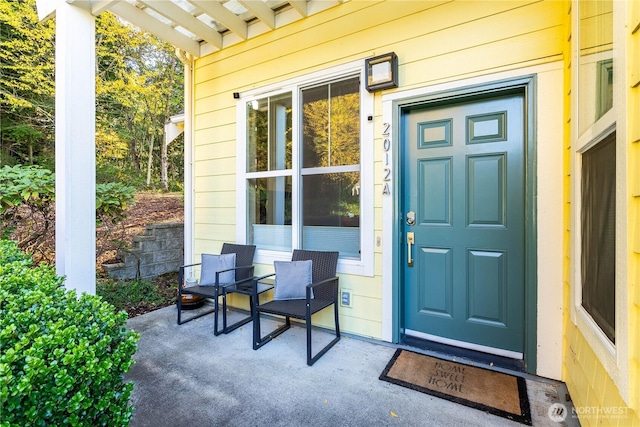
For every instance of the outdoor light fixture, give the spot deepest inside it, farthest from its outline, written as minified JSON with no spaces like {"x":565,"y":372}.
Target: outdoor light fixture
{"x":381,"y":72}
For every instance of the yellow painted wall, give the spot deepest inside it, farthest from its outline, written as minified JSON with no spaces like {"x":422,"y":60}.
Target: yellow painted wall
{"x":633,"y":137}
{"x":595,"y":395}
{"x":436,"y":42}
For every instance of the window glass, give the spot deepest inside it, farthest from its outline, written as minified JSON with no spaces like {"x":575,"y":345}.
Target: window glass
{"x":598,"y":233}
{"x":315,"y":205}
{"x":269,"y":133}
{"x":331,"y":213}
{"x":595,"y":77}
{"x":269,"y":212}
{"x":331,"y":124}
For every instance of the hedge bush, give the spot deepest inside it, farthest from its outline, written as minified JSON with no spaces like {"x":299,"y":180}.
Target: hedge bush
{"x":63,"y":358}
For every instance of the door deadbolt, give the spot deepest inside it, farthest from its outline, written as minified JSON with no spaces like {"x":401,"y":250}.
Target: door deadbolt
{"x":411,"y":218}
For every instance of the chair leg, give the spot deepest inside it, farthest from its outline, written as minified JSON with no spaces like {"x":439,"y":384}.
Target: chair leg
{"x":179,"y":307}
{"x":230,"y":328}
{"x":312,"y":359}
{"x":181,"y":322}
{"x":259,"y":341}
{"x":216,"y":310}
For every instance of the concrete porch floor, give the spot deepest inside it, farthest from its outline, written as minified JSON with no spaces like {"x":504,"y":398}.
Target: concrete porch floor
{"x":184,"y":375}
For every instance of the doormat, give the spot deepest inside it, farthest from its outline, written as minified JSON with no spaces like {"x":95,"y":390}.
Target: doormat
{"x":493,"y":392}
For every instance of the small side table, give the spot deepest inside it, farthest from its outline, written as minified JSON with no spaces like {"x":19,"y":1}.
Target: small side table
{"x":245,"y":288}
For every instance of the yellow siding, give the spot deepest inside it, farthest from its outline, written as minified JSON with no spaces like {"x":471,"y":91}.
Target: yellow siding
{"x":435,"y":42}
{"x":591,"y":387}
{"x":633,"y":129}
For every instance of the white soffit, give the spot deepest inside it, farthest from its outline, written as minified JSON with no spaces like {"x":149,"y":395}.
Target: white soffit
{"x":202,"y":26}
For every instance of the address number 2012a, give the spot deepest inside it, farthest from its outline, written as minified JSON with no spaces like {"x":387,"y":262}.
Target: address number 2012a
{"x":386,"y":163}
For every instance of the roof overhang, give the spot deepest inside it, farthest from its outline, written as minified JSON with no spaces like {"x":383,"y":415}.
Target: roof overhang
{"x":200,"y":27}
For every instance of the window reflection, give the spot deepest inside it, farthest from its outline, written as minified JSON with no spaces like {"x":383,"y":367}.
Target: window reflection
{"x":269,"y":212}
{"x":595,"y":77}
{"x":331,"y":212}
{"x":269,"y":133}
{"x":331,"y":120}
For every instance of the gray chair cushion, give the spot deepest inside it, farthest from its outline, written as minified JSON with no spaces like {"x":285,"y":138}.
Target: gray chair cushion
{"x":213,"y":263}
{"x":292,"y":277}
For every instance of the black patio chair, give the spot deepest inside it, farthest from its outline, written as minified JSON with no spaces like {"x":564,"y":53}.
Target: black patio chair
{"x":242,"y":275}
{"x":321,"y":293}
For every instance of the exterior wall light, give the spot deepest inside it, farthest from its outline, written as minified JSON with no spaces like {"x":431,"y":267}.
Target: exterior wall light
{"x":381,"y":72}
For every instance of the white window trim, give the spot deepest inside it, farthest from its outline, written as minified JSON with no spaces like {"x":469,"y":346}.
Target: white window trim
{"x":614,"y":357}
{"x":365,"y":265}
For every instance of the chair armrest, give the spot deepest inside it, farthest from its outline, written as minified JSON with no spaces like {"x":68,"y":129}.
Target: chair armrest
{"x":190,"y":265}
{"x":326,"y":289}
{"x":242,"y":267}
{"x":255,"y":285}
{"x":245,"y":267}
{"x":181,"y":274}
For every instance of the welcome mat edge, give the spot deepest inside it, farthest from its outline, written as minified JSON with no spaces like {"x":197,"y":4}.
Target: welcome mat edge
{"x":524,"y":418}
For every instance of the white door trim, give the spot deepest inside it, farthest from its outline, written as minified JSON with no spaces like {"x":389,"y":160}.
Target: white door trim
{"x":549,"y":127}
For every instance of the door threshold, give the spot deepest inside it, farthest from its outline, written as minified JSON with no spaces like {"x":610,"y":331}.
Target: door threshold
{"x":463,"y":355}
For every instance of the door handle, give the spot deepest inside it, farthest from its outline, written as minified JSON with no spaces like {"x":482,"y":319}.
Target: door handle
{"x":410,"y":241}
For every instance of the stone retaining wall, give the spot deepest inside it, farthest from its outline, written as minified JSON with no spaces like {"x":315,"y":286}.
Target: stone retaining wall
{"x":160,"y":250}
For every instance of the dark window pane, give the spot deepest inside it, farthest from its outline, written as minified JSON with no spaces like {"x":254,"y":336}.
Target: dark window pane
{"x":598,"y":234}
{"x":331,"y":213}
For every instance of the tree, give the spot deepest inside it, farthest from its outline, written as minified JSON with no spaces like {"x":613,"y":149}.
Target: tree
{"x":138,"y":87}
{"x":26,"y":85}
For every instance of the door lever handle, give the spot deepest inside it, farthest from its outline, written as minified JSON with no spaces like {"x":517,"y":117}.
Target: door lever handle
{"x":410,"y":241}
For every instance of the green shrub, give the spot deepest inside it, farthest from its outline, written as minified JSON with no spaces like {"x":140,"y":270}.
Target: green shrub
{"x":63,"y":358}
{"x":27,"y":207}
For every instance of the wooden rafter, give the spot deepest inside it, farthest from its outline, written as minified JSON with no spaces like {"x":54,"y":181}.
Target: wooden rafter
{"x":186,"y":20}
{"x":223,"y":16}
{"x":145,"y":21}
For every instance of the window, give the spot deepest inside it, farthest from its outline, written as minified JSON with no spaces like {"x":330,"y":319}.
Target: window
{"x":269,"y":157}
{"x":331,"y":167}
{"x":303,"y":168}
{"x":596,"y":147}
{"x":598,"y":234}
{"x":595,"y":61}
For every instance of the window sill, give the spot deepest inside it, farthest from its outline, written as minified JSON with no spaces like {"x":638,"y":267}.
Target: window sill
{"x":345,"y":265}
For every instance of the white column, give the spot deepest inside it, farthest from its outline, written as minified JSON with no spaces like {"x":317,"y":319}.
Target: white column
{"x":189,"y":197}
{"x":75,"y":148}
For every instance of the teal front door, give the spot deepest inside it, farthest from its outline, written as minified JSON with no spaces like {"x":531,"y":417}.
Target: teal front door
{"x":463,"y":222}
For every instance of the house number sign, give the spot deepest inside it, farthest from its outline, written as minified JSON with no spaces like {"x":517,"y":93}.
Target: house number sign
{"x":386,"y":164}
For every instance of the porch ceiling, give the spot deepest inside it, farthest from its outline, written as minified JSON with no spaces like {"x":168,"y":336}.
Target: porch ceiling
{"x":200,"y":27}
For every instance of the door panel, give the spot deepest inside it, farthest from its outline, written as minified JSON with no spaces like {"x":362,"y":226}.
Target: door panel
{"x":463,"y":176}
{"x":437,"y":293}
{"x":435,"y":199}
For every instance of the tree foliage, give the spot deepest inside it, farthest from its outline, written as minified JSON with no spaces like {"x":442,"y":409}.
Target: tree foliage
{"x":27,"y":205}
{"x":139,"y":84}
{"x":26,"y":84}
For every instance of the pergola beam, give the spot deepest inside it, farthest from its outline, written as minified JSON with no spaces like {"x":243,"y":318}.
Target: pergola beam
{"x":186,"y":20}
{"x":263,"y":12}
{"x":145,"y":21}
{"x":300,"y":6}
{"x":97,"y":7}
{"x":222,"y":15}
